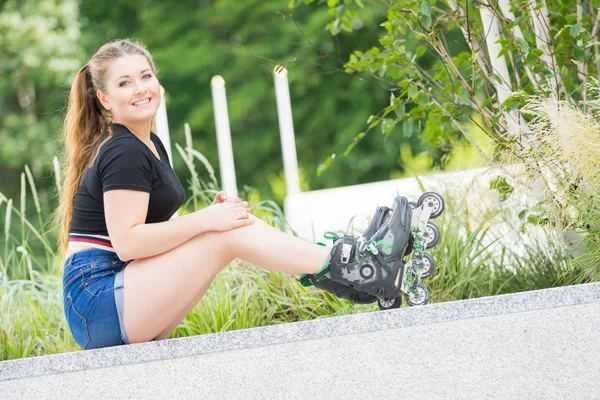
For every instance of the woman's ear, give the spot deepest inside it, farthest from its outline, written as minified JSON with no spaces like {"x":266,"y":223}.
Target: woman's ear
{"x":103,"y":99}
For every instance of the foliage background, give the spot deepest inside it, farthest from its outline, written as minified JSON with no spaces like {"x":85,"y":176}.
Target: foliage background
{"x":44,"y":42}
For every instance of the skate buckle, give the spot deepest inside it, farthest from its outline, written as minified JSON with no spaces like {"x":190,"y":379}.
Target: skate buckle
{"x":372,"y":249}
{"x":346,"y":249}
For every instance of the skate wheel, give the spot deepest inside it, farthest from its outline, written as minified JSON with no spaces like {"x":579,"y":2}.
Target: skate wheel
{"x":367,"y":271}
{"x":418,"y":298}
{"x":432,"y":235}
{"x":388,"y":304}
{"x":433,"y":200}
{"x":428,"y":266}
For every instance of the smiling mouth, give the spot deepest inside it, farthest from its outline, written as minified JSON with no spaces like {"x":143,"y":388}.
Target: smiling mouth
{"x":142,"y":102}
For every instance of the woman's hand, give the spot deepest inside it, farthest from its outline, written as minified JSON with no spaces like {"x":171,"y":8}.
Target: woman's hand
{"x":222,"y":197}
{"x":227,"y":215}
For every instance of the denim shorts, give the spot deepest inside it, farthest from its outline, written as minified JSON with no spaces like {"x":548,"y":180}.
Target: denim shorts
{"x":93,"y":298}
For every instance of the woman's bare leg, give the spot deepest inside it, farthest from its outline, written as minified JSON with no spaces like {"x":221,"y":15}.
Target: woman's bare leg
{"x":160,"y":291}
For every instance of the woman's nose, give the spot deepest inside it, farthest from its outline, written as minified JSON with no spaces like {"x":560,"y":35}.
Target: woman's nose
{"x":139,"y":88}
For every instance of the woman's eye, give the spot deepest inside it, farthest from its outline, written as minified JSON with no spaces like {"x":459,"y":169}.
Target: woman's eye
{"x":122,"y":83}
{"x":147,"y":76}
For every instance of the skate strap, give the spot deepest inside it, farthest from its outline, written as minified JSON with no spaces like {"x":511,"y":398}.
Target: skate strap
{"x":305,"y":280}
{"x":381,"y":260}
{"x":344,"y":252}
{"x":331,"y":236}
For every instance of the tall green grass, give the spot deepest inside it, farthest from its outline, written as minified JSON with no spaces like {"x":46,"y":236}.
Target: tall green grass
{"x":32,"y":320}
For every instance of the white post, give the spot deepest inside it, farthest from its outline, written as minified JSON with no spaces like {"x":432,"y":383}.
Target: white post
{"x":161,"y":124}
{"x":226,"y":164}
{"x":505,"y":9}
{"x":504,"y":87}
{"x":286,"y":129}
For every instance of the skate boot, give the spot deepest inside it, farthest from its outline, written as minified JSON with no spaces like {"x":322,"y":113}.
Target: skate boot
{"x":349,"y":292}
{"x":372,"y":268}
{"x":338,"y":289}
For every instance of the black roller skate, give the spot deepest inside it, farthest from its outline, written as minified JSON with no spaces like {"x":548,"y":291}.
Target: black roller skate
{"x":367,"y":279}
{"x":369,"y":268}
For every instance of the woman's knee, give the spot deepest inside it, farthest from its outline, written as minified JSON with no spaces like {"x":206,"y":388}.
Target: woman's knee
{"x":220,"y":243}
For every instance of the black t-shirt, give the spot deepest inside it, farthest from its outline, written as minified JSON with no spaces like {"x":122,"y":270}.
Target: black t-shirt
{"x":125,"y":162}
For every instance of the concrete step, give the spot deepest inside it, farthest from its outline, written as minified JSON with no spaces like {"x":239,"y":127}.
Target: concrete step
{"x":533,"y":345}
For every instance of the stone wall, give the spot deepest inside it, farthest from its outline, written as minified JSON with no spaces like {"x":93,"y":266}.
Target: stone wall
{"x":533,"y":345}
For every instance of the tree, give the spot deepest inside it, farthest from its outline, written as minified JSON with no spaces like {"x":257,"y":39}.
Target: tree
{"x":39,"y":53}
{"x":489,"y":55}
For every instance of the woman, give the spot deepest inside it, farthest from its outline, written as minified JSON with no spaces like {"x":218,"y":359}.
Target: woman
{"x":131,"y":273}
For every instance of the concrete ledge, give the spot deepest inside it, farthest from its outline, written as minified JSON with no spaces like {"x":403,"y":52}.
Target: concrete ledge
{"x":538,"y":344}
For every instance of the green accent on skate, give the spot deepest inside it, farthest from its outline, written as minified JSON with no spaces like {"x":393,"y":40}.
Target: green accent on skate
{"x":307,"y":282}
{"x":324,"y":266}
{"x":330,"y":236}
{"x":321,"y":244}
{"x":385,"y":246}
{"x":379,"y":243}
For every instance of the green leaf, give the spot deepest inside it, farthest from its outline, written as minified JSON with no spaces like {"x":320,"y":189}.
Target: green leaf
{"x":388,"y":126}
{"x":360,"y":3}
{"x":575,"y":29}
{"x":386,"y":40}
{"x":422,"y":99}
{"x":347,"y":25}
{"x":511,"y":103}
{"x":578,"y":53}
{"x":408,"y":127}
{"x":331,"y":3}
{"x":374,"y":123}
{"x":532,"y":60}
{"x":400,"y":110}
{"x":413,"y":91}
{"x":382,"y":70}
{"x":354,"y":142}
{"x":426,"y":21}
{"x":420,"y":51}
{"x":425,"y":8}
{"x":503,"y":187}
{"x":323,"y":167}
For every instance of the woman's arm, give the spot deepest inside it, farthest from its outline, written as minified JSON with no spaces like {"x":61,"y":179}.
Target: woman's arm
{"x":125,"y":213}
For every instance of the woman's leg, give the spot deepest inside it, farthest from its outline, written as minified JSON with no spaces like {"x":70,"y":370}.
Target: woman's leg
{"x":160,"y":291}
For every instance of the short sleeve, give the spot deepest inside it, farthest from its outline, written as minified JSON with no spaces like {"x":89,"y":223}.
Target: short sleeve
{"x":125,"y":164}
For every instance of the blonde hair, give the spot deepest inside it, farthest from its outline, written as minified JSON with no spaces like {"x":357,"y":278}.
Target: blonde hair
{"x":85,"y":122}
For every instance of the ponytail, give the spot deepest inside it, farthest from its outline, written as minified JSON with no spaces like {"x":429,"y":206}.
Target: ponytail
{"x":84,"y":124}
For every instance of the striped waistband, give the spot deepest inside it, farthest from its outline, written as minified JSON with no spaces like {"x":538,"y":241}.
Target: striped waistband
{"x":95,"y":241}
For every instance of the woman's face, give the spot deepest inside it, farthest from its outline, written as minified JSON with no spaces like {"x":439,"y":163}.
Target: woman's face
{"x":132,"y":90}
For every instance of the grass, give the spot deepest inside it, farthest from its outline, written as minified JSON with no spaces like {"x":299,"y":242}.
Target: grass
{"x":242,"y":296}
